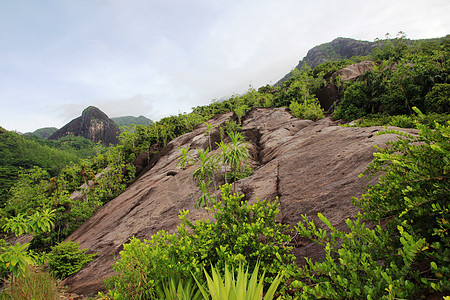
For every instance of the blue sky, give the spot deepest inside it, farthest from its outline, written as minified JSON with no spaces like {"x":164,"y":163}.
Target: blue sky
{"x":159,"y":58}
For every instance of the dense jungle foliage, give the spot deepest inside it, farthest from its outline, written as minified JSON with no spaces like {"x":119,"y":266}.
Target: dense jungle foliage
{"x":18,"y":153}
{"x":408,"y":256}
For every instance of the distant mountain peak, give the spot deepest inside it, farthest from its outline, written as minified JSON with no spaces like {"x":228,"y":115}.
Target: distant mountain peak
{"x":128,"y":120}
{"x":338,"y":49}
{"x":93,"y":124}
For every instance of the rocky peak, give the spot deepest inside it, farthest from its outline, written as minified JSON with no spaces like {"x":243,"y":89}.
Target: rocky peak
{"x":93,"y":124}
{"x":338,"y":49}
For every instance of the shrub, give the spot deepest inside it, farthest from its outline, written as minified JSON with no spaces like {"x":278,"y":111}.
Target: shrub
{"x":242,"y":233}
{"x":310,"y":110}
{"x":67,"y":258}
{"x":355,"y":103}
{"x":413,"y":192}
{"x":402,"y":121}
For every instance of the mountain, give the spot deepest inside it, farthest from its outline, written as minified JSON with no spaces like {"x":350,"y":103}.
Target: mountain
{"x":310,"y":166}
{"x":128,"y":120}
{"x":93,"y":124}
{"x":43,"y":133}
{"x":336,"y":50}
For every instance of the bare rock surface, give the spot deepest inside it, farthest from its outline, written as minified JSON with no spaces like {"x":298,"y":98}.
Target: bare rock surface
{"x":310,"y":166}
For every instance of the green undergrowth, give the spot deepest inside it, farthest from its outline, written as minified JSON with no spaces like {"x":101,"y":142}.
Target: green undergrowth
{"x":402,"y":121}
{"x":241,"y":234}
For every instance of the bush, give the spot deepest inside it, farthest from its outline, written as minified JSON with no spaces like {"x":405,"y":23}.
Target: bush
{"x":67,"y":258}
{"x":310,"y":110}
{"x":242,"y":234}
{"x":355,"y":103}
{"x":413,"y":192}
{"x":409,"y":256}
{"x":402,"y":121}
{"x":438,"y":99}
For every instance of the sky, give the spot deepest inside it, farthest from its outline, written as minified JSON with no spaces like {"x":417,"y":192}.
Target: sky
{"x":161,"y":58}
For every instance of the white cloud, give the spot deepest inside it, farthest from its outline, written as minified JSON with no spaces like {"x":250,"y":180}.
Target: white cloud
{"x":164,"y":57}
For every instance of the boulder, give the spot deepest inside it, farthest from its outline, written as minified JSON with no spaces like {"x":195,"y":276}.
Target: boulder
{"x":331,"y":93}
{"x":353,"y":71}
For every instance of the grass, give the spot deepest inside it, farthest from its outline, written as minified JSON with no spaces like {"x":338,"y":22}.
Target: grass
{"x":34,"y":284}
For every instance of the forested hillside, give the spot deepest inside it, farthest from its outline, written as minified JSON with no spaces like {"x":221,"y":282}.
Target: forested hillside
{"x":129,"y":120}
{"x":43,"y":133}
{"x":20,"y":153}
{"x":406,"y":255}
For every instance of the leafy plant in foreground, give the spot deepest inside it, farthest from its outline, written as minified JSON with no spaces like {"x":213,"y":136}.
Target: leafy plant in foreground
{"x":361,"y":264}
{"x":413,"y":192}
{"x":237,"y":155}
{"x":237,"y":286}
{"x":176,"y":288}
{"x":204,"y":175}
{"x":185,"y":159}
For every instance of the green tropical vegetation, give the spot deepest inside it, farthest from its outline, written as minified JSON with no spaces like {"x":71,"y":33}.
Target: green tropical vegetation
{"x":403,"y":253}
{"x":237,"y":287}
{"x":402,"y":77}
{"x":241,"y":234}
{"x":19,"y":153}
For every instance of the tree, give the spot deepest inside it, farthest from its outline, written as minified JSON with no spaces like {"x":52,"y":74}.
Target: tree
{"x":237,"y":155}
{"x":14,"y":257}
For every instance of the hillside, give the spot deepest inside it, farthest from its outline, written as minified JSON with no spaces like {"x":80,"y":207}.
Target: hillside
{"x":20,"y":152}
{"x":128,"y":120}
{"x":134,"y":203}
{"x":310,"y":166}
{"x":43,"y":133}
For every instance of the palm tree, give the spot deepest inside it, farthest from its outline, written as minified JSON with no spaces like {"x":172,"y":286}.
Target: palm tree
{"x":238,"y":155}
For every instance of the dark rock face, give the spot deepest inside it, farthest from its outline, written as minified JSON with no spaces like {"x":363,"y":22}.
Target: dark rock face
{"x":327,"y":96}
{"x":93,"y":125}
{"x":310,"y":166}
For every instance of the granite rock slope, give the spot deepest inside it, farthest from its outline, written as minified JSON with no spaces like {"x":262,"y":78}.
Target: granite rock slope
{"x":310,"y":166}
